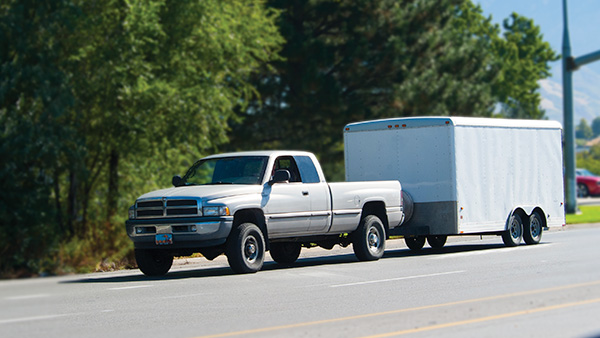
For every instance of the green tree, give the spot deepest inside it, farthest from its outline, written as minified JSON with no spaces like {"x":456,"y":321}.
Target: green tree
{"x":101,"y":96}
{"x":583,"y":130}
{"x":156,"y":74}
{"x":34,"y":100}
{"x":596,"y":126}
{"x":590,"y":159}
{"x":347,"y":61}
{"x":524,"y":56}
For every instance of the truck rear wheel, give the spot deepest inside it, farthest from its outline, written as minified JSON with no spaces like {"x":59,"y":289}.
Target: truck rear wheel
{"x":369,"y":239}
{"x":532,"y":232}
{"x":437,"y":241}
{"x":246,"y":249}
{"x":153,"y":262}
{"x":514,"y":234}
{"x":415,"y":243}
{"x":285,"y":253}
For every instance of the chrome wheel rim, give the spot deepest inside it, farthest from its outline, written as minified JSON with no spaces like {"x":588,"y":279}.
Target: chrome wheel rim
{"x":536,"y":227}
{"x":250,"y":249}
{"x":515,"y":229}
{"x":373,"y":239}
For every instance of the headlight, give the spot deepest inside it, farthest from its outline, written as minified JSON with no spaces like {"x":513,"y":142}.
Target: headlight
{"x":132,"y":212}
{"x":215,"y":211}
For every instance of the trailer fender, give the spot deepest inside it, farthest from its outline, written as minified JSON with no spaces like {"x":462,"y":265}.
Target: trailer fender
{"x":524,"y":211}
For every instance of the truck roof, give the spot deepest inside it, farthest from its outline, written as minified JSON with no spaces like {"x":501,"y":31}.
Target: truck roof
{"x":430,"y":121}
{"x":262,"y":153}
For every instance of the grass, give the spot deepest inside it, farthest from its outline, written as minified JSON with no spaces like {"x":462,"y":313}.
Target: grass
{"x":589,"y":214}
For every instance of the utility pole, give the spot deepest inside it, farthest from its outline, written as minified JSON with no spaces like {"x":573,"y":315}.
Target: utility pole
{"x":570,"y":65}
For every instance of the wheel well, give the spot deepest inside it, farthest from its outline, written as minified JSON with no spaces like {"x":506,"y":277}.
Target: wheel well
{"x":522,"y":214}
{"x":377,"y":209}
{"x":255,"y":216}
{"x":525,"y":217}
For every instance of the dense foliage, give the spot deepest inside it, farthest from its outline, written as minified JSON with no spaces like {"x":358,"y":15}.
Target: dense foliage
{"x":102,"y":101}
{"x":346,"y":61}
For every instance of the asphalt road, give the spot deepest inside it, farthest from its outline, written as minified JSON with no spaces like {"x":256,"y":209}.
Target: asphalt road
{"x":473,"y":287}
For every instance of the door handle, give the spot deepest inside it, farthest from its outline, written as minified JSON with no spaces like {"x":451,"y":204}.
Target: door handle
{"x":305,"y":193}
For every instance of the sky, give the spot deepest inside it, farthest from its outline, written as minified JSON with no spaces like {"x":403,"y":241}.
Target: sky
{"x":584,"y":29}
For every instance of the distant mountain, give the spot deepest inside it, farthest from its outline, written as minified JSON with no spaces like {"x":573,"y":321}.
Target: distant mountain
{"x":586,"y":95}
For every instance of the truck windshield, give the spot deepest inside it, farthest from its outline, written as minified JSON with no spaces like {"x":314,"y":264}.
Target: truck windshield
{"x":227,"y":170}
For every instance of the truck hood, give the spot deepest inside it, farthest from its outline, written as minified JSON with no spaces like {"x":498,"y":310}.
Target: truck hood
{"x":206,"y":192}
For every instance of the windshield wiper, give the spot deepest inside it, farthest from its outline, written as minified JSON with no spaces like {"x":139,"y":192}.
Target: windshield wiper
{"x":218,"y":182}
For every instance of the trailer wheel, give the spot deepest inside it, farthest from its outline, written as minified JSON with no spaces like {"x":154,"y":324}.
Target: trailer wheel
{"x":437,"y":241}
{"x":153,"y":262}
{"x":415,"y":243}
{"x":285,"y":253}
{"x":369,"y":239}
{"x":514,"y":234}
{"x":532,"y":234}
{"x":246,"y":249}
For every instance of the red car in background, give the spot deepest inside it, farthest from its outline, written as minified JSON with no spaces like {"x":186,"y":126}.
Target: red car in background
{"x":588,"y":184}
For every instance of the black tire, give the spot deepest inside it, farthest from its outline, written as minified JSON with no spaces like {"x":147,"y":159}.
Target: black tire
{"x":514,"y":234}
{"x":415,"y":243}
{"x":246,"y":249}
{"x":153,"y":262}
{"x":532,"y":232}
{"x":368,"y":240}
{"x":285,"y":253}
{"x":437,"y":241}
{"x":582,"y":190}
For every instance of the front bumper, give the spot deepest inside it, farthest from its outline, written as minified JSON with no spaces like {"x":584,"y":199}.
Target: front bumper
{"x":188,"y":233}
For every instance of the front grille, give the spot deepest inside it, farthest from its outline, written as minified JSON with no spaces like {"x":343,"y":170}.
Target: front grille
{"x":149,"y":213}
{"x":182,"y":211}
{"x":150,"y":204}
{"x":180,"y":203}
{"x":168,"y":208}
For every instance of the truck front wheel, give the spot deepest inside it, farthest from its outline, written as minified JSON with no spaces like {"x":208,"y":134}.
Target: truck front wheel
{"x":285,"y":253}
{"x":369,"y":239}
{"x":153,"y":262}
{"x":246,"y":249}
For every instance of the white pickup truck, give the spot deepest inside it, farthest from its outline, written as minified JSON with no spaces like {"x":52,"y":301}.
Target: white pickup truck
{"x":244,"y":204}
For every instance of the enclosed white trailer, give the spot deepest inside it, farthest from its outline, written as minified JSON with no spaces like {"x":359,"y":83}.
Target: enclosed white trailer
{"x":465,"y":175}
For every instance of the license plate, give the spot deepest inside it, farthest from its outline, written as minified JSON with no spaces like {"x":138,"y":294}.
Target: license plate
{"x":164,"y":239}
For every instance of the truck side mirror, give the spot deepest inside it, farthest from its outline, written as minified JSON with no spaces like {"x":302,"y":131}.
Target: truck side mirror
{"x":177,"y":181}
{"x":281,"y":175}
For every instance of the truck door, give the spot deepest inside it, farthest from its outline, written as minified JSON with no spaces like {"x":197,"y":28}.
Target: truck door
{"x":287,"y":204}
{"x":318,"y":191}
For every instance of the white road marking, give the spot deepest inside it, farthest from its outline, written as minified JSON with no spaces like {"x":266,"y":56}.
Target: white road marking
{"x":186,"y":296}
{"x":397,"y":279}
{"x":131,"y":287}
{"x":35,"y":318}
{"x":485,"y":252}
{"x":25,"y":297}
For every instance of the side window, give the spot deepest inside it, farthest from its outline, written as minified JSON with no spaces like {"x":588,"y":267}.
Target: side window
{"x":307,"y":169}
{"x":287,"y":163}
